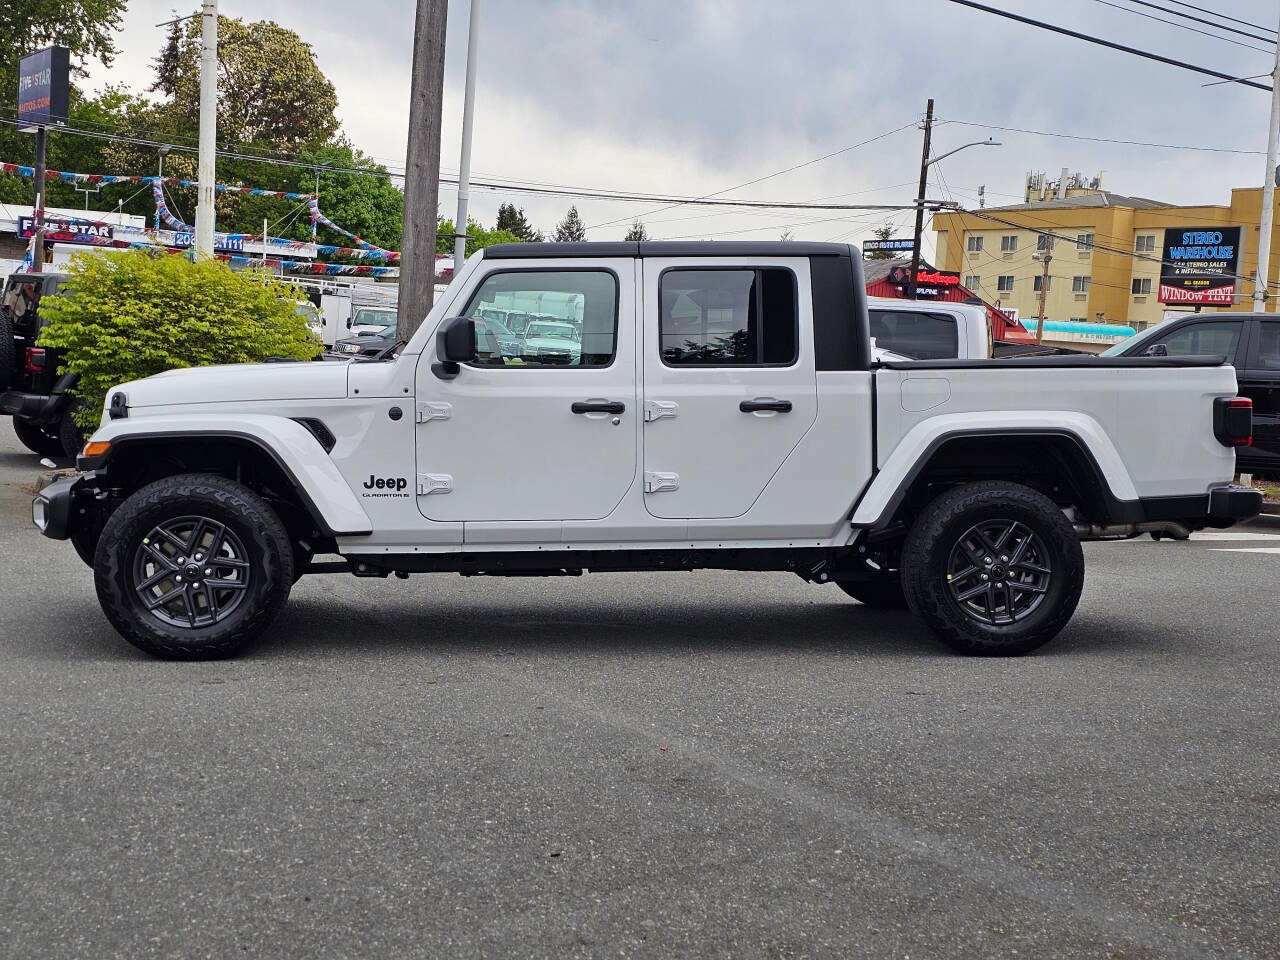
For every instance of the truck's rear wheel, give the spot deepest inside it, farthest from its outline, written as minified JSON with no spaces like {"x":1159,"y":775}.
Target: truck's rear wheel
{"x":993,"y":568}
{"x":40,"y":440}
{"x":193,"y":567}
{"x":886,"y":593}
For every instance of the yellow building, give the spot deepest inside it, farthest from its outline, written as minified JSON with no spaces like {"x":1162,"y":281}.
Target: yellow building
{"x":1106,"y":250}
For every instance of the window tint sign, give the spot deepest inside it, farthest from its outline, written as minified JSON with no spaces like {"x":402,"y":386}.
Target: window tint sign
{"x":1200,"y":265}
{"x":43,"y":87}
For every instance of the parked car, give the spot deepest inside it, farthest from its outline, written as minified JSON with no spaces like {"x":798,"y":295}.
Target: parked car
{"x":552,"y":341}
{"x":373,"y":321}
{"x":32,"y":391}
{"x":1248,"y":341}
{"x":759,"y":435}
{"x":928,"y":330}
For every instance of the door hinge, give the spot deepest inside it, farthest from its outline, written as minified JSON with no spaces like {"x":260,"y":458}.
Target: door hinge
{"x":657,"y":409}
{"x":432,"y":410}
{"x":658,"y":482}
{"x":429,"y":483}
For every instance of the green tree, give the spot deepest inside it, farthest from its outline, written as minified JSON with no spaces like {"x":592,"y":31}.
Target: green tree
{"x":130,"y":314}
{"x":571,"y":227}
{"x":882,"y":233}
{"x":637,"y":231}
{"x":478,"y":236}
{"x":88,"y":28}
{"x":270,"y":89}
{"x":513,"y":220}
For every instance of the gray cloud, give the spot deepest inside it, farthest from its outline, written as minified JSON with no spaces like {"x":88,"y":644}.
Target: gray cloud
{"x":692,"y":97}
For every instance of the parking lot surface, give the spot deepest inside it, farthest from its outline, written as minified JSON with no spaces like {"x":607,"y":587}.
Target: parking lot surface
{"x":658,"y":765}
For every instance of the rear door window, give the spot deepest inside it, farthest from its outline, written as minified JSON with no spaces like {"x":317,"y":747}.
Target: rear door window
{"x":918,"y":334}
{"x":1269,"y":345}
{"x":728,"y":317}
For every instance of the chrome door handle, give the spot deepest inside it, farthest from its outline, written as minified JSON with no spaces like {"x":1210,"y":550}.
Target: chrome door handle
{"x":765,"y":403}
{"x":598,"y":406}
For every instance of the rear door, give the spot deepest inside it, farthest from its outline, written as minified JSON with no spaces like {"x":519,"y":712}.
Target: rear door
{"x":1259,"y":379}
{"x":729,"y":385}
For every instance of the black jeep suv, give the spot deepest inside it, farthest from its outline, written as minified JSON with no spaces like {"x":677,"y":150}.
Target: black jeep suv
{"x":31,"y":389}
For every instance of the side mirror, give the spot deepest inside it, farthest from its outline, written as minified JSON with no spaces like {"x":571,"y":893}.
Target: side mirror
{"x":455,"y":344}
{"x":348,"y":323}
{"x":1157,"y":350}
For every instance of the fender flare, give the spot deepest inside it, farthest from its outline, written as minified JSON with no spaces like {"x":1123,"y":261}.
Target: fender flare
{"x":889,"y":487}
{"x":288,"y":444}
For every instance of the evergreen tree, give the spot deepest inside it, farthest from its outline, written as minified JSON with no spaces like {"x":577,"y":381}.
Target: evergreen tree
{"x":637,"y":231}
{"x":882,"y":233}
{"x":514,"y":222}
{"x":571,"y":227}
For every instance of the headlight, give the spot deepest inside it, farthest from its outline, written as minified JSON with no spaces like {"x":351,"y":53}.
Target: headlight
{"x":351,"y":348}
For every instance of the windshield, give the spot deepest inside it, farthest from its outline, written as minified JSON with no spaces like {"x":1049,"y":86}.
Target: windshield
{"x":553,"y":331}
{"x":374,"y":317}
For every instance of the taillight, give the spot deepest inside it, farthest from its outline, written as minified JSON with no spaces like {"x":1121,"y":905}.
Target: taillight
{"x":1233,"y":421}
{"x":35,"y":360}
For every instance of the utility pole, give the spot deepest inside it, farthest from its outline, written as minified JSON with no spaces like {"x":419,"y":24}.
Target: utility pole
{"x":1268,"y":194}
{"x":464,"y":165}
{"x":208,"y":129}
{"x":1044,"y":286}
{"x":924,"y":185}
{"x":422,"y":169}
{"x":37,"y":257}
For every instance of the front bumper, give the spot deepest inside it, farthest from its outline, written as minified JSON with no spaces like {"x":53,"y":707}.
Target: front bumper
{"x":52,"y":508}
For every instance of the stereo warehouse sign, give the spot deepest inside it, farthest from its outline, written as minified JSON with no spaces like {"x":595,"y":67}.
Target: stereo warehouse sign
{"x":1200,"y":265}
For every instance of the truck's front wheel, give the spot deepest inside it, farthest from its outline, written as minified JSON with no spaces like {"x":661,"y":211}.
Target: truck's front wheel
{"x":993,"y":568}
{"x":193,"y":567}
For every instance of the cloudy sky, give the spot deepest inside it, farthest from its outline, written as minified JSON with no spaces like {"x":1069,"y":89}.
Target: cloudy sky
{"x":693,"y":97}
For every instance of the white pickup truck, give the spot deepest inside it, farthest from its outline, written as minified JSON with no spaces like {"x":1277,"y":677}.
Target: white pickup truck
{"x":722,"y":410}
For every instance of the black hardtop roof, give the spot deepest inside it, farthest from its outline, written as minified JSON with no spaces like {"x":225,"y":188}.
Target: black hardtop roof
{"x":668,"y":248}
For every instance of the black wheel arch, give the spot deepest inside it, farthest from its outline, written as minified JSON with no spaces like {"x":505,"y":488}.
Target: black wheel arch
{"x":135,"y":460}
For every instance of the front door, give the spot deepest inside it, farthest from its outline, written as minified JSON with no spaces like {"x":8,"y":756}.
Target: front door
{"x":729,"y":381}
{"x":542,"y":425}
{"x":1259,"y":380}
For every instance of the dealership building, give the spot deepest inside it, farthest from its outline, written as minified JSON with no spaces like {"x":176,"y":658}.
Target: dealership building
{"x":1112,"y":258}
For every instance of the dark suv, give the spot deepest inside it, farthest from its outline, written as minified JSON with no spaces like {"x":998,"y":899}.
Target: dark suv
{"x":1251,"y":343}
{"x":31,"y":389}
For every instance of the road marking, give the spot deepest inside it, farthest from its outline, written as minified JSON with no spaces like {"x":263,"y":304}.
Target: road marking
{"x":1244,"y":549}
{"x":1202,"y":535}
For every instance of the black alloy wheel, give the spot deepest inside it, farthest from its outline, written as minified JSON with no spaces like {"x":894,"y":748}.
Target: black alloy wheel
{"x":191,"y":572}
{"x":999,"y":572}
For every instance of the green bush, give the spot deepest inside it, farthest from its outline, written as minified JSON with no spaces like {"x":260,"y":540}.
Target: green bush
{"x":130,"y":314}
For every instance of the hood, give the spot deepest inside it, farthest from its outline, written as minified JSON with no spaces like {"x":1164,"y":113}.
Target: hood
{"x":238,"y":383}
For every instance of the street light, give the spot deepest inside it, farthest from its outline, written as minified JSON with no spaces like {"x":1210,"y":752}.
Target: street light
{"x":925,"y":164}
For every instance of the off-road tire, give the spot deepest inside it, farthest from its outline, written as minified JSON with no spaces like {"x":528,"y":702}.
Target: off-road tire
{"x":40,"y":440}
{"x":927,"y":553}
{"x":70,"y":436}
{"x":267,"y":545}
{"x":883,"y":594}
{"x":8,"y":357}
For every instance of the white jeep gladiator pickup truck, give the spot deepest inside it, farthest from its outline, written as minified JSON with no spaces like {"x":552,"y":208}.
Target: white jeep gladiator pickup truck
{"x":706,"y":405}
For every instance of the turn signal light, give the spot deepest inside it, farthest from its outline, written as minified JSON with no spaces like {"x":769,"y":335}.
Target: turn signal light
{"x":1233,"y":421}
{"x":95,"y":448}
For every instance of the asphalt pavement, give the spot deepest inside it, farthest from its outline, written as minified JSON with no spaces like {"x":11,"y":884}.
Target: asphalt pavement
{"x":662,"y":765}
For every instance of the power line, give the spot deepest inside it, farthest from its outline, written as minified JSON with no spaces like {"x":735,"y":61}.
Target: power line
{"x":768,"y":176}
{"x":1089,"y":38}
{"x":1216,"y":26}
{"x":1222,"y":16}
{"x":1129,"y":143}
{"x":1183,"y":26}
